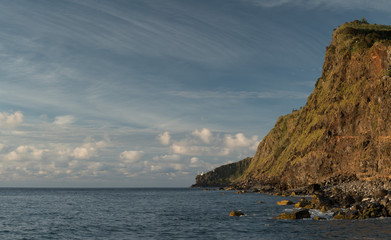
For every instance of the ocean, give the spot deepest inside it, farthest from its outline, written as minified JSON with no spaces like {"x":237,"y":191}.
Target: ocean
{"x":159,"y":213}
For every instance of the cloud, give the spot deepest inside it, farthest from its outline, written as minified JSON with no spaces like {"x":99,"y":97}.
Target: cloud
{"x":131,"y":156}
{"x":186,"y":148}
{"x":168,"y":157}
{"x":64,"y":120}
{"x":241,"y":141}
{"x":272,"y":94}
{"x":88,"y":150}
{"x":205,"y":134}
{"x":269,"y":3}
{"x":380,"y":5}
{"x":11,"y":120}
{"x":164,"y":138}
{"x":25,"y":152}
{"x":194,"y":160}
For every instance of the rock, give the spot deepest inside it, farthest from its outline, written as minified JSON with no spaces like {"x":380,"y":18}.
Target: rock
{"x":260,"y":202}
{"x":347,"y":201}
{"x":381,"y":193}
{"x":285,"y":202}
{"x":388,"y":208}
{"x":236,"y":213}
{"x":302,"y":203}
{"x":313,"y":188}
{"x":339,"y":215}
{"x":350,"y":214}
{"x":300,"y":214}
{"x":319,"y":218}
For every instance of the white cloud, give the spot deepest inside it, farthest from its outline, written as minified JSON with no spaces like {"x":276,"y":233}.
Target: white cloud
{"x":164,"y":138}
{"x":88,"y":150}
{"x":184,"y":148}
{"x":11,"y":120}
{"x":64,"y":120}
{"x":168,"y":157}
{"x":194,"y":160}
{"x":131,"y":156}
{"x":25,"y":152}
{"x":205,"y":134}
{"x":241,"y":141}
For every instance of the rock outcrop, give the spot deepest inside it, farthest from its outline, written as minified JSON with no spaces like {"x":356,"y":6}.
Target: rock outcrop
{"x":344,"y":130}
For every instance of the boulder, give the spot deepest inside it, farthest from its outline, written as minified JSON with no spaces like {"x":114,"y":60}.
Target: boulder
{"x":236,"y":213}
{"x":302,"y":203}
{"x":300,"y":214}
{"x":319,"y":218}
{"x":285,"y":202}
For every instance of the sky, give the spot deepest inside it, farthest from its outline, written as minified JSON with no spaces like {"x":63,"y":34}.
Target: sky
{"x":150,"y":93}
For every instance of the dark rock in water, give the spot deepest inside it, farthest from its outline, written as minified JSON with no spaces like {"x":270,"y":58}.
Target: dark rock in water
{"x":300,"y":214}
{"x":319,"y":218}
{"x":236,"y":213}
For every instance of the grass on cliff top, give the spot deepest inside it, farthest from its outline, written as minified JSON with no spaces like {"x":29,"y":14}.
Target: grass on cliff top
{"x":364,"y":25}
{"x":360,"y":35}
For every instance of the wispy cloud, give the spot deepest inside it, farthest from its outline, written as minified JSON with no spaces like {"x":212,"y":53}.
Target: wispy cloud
{"x":64,"y":120}
{"x":380,"y":5}
{"x":274,"y":94}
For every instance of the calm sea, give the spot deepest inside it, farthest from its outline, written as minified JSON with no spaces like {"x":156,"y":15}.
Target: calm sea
{"x":163,"y":214}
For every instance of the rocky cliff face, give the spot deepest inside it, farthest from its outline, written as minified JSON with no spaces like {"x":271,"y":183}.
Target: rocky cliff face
{"x":344,"y":130}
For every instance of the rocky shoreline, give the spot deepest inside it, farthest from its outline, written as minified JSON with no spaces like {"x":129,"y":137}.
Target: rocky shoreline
{"x":344,"y":200}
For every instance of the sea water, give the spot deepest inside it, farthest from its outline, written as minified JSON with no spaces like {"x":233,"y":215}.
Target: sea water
{"x":164,"y":214}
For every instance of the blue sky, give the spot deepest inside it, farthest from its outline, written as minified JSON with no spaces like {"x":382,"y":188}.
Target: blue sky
{"x":148,"y":93}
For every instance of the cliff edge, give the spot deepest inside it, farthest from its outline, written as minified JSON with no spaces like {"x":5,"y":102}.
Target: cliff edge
{"x":344,"y":130}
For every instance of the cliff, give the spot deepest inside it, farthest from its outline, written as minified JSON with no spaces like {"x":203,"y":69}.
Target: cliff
{"x":224,"y":175}
{"x":344,"y":130}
